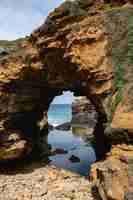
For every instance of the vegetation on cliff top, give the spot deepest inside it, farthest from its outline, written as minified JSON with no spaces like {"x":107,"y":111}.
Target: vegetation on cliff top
{"x":11,"y":44}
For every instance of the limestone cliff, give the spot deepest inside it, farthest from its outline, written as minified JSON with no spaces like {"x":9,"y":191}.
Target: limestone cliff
{"x":84,"y":46}
{"x":84,"y":116}
{"x":93,"y":42}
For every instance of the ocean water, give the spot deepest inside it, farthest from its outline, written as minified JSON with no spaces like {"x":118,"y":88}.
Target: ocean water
{"x":59,"y":114}
{"x":72,"y":151}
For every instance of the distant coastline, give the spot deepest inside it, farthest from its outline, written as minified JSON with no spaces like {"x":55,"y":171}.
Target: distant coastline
{"x":59,"y":113}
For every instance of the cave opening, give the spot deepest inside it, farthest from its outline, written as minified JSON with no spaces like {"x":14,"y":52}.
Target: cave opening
{"x":72,"y":119}
{"x":73,"y":138}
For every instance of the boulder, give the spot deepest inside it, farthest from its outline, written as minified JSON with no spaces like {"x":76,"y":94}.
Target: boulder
{"x":113,"y":177}
{"x":64,"y":127}
{"x":56,"y":151}
{"x":13,"y":146}
{"x":3,"y":51}
{"x":74,"y":159}
{"x":50,"y":127}
{"x":83,"y":113}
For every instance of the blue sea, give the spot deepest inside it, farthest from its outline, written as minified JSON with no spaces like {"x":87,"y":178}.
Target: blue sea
{"x":72,"y":151}
{"x":59,"y":114}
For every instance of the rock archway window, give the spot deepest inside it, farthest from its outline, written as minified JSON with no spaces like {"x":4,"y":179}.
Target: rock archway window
{"x":71,"y":124}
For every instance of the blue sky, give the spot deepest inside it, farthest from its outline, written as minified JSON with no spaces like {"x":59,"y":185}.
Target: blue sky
{"x":66,"y":98}
{"x":20,"y":17}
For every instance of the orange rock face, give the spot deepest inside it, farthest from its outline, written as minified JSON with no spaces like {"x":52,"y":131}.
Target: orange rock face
{"x":84,"y":46}
{"x":113,"y":177}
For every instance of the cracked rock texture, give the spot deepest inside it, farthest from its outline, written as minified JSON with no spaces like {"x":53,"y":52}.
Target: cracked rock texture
{"x":85,"y":47}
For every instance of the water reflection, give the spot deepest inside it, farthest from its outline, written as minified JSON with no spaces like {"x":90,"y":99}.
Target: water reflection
{"x":71,"y":150}
{"x":73,"y":126}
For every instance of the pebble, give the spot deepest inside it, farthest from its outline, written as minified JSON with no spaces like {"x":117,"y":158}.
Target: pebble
{"x":43,"y":183}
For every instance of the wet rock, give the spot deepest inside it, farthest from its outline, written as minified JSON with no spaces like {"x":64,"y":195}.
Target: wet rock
{"x":84,"y":132}
{"x":64,"y":127}
{"x":58,"y":151}
{"x":50,"y":127}
{"x":84,"y":116}
{"x":74,"y":159}
{"x":3,"y":51}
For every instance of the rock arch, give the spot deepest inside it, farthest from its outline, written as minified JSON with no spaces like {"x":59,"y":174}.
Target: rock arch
{"x":80,"y":47}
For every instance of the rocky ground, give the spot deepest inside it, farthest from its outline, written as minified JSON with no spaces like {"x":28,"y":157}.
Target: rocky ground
{"x":37,"y":182}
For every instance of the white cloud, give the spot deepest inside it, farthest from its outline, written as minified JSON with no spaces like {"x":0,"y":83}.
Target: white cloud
{"x":20,"y":17}
{"x":65,"y":98}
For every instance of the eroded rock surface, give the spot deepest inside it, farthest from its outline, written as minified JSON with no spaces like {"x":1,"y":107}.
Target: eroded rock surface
{"x":113,"y":177}
{"x":84,"y":47}
{"x":83,"y":115}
